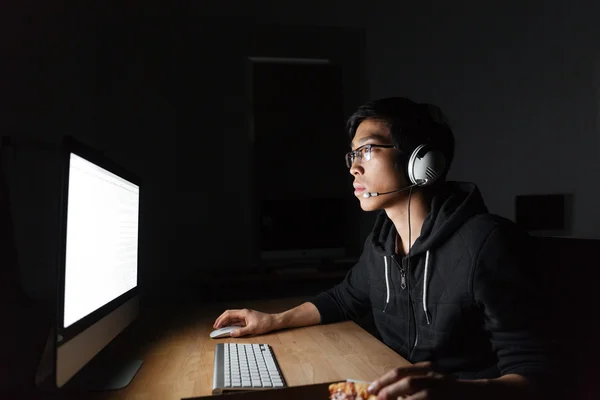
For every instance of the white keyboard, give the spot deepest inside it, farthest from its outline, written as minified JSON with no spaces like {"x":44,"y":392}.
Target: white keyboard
{"x":245,"y":367}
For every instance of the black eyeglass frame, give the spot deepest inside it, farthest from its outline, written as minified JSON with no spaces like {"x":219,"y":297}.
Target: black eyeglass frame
{"x":352,"y":155}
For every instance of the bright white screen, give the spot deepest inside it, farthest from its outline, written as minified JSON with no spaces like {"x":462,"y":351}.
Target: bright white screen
{"x":102,"y":238}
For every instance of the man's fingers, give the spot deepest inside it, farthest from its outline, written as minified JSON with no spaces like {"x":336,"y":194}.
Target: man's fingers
{"x":227,"y":321}
{"x":217,"y":323}
{"x":220,"y":322}
{"x":229,"y":316}
{"x":409,"y":385}
{"x":242,"y":331}
{"x":219,"y":319}
{"x":397,"y":374}
{"x":422,"y":395}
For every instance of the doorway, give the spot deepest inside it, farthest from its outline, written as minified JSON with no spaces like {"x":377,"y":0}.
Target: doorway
{"x":299,"y":140}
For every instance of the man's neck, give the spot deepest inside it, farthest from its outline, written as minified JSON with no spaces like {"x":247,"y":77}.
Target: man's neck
{"x":398,"y":213}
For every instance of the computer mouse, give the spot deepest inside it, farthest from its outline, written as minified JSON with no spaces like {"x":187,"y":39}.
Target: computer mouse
{"x":223,"y":332}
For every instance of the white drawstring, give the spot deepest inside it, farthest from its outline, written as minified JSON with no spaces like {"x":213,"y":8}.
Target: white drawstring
{"x":425,"y":288}
{"x":387,"y":284}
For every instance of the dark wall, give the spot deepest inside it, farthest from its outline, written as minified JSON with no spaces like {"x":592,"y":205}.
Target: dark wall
{"x":155,"y":86}
{"x":519,"y":81}
{"x":166,"y":94}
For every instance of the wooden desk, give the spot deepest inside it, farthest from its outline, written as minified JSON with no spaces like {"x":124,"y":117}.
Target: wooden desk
{"x":178,"y":352}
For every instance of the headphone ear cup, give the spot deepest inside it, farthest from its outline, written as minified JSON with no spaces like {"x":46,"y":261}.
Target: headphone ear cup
{"x":425,"y":166}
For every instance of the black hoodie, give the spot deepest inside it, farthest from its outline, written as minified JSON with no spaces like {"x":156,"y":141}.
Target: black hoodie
{"x":467,"y":300}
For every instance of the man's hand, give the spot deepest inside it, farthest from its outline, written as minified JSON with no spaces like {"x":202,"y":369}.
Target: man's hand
{"x":421,"y":381}
{"x":256,"y":323}
{"x":418,"y":381}
{"x":251,"y":322}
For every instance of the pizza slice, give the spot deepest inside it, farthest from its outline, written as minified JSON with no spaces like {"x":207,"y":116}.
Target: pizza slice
{"x":350,"y":391}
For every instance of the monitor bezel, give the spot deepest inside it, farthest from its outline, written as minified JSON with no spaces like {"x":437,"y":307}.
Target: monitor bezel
{"x":70,"y":146}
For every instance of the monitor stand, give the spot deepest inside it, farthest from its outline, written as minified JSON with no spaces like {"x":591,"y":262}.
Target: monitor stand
{"x":107,"y":375}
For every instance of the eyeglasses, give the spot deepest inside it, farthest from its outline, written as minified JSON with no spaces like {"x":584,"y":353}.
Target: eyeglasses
{"x":363,"y":153}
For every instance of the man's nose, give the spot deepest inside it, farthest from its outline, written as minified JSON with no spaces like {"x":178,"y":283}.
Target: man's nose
{"x":356,"y":168}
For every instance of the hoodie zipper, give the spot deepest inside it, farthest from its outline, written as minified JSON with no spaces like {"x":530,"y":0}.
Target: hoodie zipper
{"x":402,"y":273}
{"x":412,"y":306}
{"x":414,"y":318}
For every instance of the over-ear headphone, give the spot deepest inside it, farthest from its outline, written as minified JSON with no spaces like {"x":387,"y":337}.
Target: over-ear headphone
{"x":425,"y":165}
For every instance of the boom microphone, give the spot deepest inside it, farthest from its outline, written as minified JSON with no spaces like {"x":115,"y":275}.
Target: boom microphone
{"x":366,"y":195}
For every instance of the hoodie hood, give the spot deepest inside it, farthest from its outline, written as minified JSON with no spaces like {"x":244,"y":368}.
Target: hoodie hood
{"x":454,"y":203}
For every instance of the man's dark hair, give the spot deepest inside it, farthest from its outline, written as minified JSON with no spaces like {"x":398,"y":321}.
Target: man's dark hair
{"x":411,"y":124}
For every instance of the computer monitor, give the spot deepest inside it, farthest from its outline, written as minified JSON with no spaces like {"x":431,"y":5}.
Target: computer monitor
{"x":98,"y":264}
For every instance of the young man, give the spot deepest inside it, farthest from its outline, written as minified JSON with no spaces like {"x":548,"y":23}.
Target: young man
{"x":449,"y":284}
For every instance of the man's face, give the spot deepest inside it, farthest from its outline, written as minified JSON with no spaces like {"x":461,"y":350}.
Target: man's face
{"x":375,"y":172}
